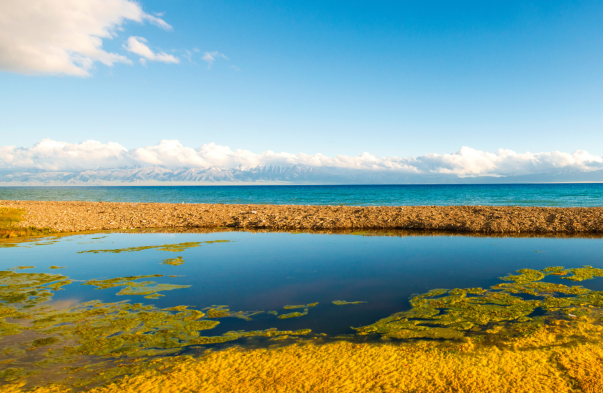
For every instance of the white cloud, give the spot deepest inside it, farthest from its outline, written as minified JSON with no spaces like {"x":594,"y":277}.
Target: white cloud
{"x":137,"y":46}
{"x":63,"y":37}
{"x":210,"y":57}
{"x":53,"y":155}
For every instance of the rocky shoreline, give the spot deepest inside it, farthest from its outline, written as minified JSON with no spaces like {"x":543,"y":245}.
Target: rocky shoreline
{"x":97,"y":216}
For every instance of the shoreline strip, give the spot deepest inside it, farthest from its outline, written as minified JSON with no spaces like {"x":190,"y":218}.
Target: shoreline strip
{"x":97,"y":216}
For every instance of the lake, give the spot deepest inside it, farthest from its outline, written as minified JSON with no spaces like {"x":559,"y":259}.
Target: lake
{"x":559,"y":195}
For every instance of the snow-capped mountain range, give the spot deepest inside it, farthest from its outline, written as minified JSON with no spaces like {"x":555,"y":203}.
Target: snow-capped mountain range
{"x":270,"y":174}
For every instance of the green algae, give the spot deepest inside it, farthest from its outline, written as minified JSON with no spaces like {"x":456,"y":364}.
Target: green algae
{"x":280,"y":338}
{"x":122,"y":330}
{"x":173,"y":261}
{"x":583,"y":273}
{"x":222,"y":311}
{"x":343,"y":302}
{"x":42,"y":342}
{"x":154,"y":296}
{"x":553,"y":270}
{"x":542,"y":288}
{"x":218,"y":312}
{"x":293,"y":314}
{"x":235,"y":335}
{"x":526,"y":276}
{"x":57,"y":267}
{"x":456,"y":313}
{"x":433,"y":333}
{"x":147,"y":288}
{"x":132,"y":287}
{"x":300,"y":306}
{"x":13,"y":373}
{"x":176,"y":308}
{"x":178,"y":247}
{"x":118,"y":281}
{"x":344,"y":336}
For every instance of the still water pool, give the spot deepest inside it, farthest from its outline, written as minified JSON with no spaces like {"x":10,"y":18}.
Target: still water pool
{"x":287,"y":282}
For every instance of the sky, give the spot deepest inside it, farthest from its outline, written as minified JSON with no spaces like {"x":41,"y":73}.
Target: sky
{"x":333,"y":78}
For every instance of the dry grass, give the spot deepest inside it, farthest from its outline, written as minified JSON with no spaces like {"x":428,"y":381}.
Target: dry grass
{"x":9,"y":218}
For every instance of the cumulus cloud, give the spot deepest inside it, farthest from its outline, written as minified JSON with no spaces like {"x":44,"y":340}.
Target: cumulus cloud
{"x":137,"y":45}
{"x":56,"y":156}
{"x":210,"y":57}
{"x":64,"y":37}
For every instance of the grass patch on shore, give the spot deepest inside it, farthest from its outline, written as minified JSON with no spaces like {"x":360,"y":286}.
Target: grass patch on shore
{"x":9,"y":218}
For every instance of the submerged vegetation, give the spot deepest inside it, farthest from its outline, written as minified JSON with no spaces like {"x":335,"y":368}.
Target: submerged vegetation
{"x":96,"y":330}
{"x":301,"y":306}
{"x":132,"y":287}
{"x":343,"y":302}
{"x":486,"y":314}
{"x":93,"y":342}
{"x":179,"y":247}
{"x":173,"y":261}
{"x":295,"y":314}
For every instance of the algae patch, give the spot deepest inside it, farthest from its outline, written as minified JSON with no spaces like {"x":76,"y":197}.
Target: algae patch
{"x":583,"y":273}
{"x":474,"y":312}
{"x":177,"y":247}
{"x":95,"y":330}
{"x":100,"y":341}
{"x":293,"y":314}
{"x":132,"y":287}
{"x":300,"y":306}
{"x":173,"y":261}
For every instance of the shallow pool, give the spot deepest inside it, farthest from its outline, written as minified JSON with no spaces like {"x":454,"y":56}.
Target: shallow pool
{"x":248,"y":282}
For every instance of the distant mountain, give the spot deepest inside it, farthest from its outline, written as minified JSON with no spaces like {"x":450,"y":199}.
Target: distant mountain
{"x":269,"y":175}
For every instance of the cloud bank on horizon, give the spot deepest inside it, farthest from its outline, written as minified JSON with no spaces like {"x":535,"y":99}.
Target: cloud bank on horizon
{"x":50,"y":155}
{"x":65,"y":37}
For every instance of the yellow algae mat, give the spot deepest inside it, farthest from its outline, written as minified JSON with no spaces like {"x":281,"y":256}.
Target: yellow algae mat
{"x":521,"y":335}
{"x":536,"y":365}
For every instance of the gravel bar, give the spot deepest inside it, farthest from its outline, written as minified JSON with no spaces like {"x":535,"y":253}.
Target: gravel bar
{"x":93,"y":216}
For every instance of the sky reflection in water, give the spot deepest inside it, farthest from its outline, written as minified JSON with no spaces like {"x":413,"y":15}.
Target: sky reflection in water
{"x":267,"y":271}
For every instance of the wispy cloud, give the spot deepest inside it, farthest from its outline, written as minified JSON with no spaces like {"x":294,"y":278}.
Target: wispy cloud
{"x":64,"y":37}
{"x":54,"y":155}
{"x":137,"y":45}
{"x":210,"y":57}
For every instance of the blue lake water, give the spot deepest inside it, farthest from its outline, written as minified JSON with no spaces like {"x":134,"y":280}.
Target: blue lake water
{"x":562,"y":195}
{"x":267,"y":271}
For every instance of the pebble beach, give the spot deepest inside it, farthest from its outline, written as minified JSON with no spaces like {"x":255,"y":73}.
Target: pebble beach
{"x":97,"y":216}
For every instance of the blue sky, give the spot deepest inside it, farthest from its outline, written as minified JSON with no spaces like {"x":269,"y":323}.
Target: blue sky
{"x":393,"y":78}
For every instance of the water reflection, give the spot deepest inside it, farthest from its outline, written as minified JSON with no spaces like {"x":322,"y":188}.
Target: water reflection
{"x":266,"y":288}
